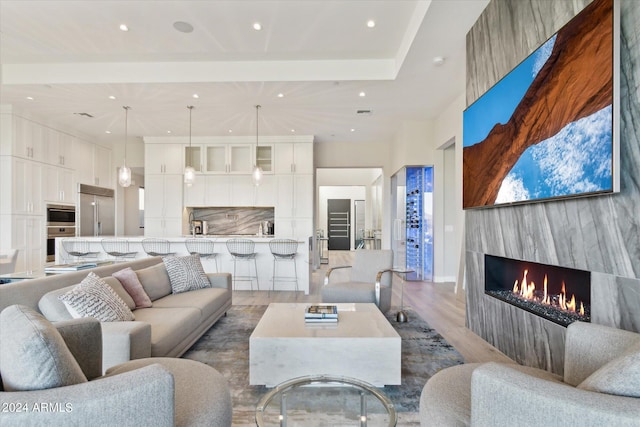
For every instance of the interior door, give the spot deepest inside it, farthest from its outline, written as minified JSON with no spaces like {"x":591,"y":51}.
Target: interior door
{"x":339,"y":224}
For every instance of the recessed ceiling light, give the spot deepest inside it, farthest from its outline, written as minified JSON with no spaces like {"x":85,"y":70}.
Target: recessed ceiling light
{"x":107,"y":131}
{"x":123,"y":27}
{"x":438,"y":60}
{"x":112,"y":97}
{"x":371,"y":23}
{"x":362,"y":94}
{"x":353,"y":130}
{"x":293,"y":130}
{"x":257,"y":26}
{"x":168,"y":131}
{"x":183,"y":27}
{"x":281,"y":95}
{"x":230,"y":130}
{"x":30,"y":98}
{"x":195,"y":95}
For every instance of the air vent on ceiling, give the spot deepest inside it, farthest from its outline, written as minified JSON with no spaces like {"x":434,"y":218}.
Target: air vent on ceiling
{"x":84,"y":114}
{"x":364,"y":112}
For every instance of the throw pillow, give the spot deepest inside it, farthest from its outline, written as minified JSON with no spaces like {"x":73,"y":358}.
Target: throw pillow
{"x":186,"y":273}
{"x":94,"y":298}
{"x":620,"y":376}
{"x":132,"y":285}
{"x":33,"y":355}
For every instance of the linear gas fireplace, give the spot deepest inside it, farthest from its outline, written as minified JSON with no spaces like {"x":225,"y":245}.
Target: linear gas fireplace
{"x":559,"y":294}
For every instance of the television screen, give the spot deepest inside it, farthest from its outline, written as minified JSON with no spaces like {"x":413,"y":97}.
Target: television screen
{"x":547,"y":130}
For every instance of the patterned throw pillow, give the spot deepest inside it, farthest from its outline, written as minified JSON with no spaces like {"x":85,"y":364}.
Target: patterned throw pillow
{"x":94,"y":298}
{"x":186,"y":273}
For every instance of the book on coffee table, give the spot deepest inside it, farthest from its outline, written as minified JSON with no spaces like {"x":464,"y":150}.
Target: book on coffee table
{"x":75,"y":266}
{"x":321,"y":312}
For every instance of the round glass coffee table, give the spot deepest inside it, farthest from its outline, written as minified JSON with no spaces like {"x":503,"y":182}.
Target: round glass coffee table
{"x":322,"y":400}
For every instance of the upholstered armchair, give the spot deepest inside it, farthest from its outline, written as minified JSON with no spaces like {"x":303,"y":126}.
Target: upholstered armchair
{"x":52,"y":375}
{"x":600,"y":387}
{"x":370,"y":280}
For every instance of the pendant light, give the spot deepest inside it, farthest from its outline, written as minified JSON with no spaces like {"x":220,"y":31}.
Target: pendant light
{"x":256,"y":174}
{"x":189,"y":171}
{"x":124,"y":175}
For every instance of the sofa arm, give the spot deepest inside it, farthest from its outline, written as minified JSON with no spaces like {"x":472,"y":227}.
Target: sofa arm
{"x":220,"y":280}
{"x":504,"y":396}
{"x":83,"y":337}
{"x":124,"y":341}
{"x":128,"y":399}
{"x":589,"y":346}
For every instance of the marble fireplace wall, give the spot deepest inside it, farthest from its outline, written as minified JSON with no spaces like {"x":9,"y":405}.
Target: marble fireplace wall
{"x":600,"y":234}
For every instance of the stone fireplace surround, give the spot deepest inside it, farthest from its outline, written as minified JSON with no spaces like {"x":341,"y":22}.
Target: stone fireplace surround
{"x":598,"y":234}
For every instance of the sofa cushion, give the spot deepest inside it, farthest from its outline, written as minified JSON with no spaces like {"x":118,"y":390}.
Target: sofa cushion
{"x":155,"y":281}
{"x":93,"y":297}
{"x":185,"y":273}
{"x":169,"y":326}
{"x":33,"y":355}
{"x":620,"y":377}
{"x":208,"y":300}
{"x":129,"y":280}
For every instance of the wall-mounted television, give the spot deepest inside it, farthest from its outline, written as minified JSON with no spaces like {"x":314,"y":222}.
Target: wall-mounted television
{"x":549,"y":128}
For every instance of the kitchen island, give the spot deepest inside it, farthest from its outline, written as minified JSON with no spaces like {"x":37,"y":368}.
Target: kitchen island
{"x":264,"y":259}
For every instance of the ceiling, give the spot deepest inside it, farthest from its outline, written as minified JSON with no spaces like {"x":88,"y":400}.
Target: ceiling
{"x":62,"y":58}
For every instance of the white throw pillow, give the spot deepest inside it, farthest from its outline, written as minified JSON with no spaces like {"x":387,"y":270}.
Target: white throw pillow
{"x":186,"y":273}
{"x":94,"y":298}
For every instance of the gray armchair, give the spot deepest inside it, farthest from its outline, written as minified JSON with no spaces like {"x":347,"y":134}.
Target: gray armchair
{"x":153,"y":391}
{"x":370,"y":280}
{"x":494,"y":394}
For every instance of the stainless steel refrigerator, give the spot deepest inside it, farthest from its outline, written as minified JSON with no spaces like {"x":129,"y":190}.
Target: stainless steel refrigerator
{"x":96,"y":211}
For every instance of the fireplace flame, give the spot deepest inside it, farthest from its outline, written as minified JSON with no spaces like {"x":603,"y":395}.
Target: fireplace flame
{"x":527,"y":289}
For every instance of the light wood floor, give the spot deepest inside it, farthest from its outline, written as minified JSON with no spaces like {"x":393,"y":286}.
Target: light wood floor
{"x":436,"y":303}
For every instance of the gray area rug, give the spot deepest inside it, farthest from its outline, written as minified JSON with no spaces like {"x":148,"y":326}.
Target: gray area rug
{"x":226,"y":348}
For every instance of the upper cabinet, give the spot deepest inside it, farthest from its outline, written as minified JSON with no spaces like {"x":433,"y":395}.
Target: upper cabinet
{"x":294,"y":158}
{"x":92,"y":163}
{"x":163,"y":158}
{"x":228,"y":158}
{"x":264,"y":158}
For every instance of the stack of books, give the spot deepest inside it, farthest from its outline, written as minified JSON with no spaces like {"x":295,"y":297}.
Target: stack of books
{"x":64,"y":268}
{"x":321,"y":314}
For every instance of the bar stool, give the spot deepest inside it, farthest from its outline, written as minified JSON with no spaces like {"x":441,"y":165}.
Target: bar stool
{"x":78,"y":248}
{"x":118,"y":249}
{"x":157,"y":247}
{"x":202,"y":247}
{"x":243,"y":250}
{"x":284,"y":250}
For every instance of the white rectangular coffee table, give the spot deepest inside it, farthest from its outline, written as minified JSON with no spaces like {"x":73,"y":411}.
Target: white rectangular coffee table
{"x":361,"y":345}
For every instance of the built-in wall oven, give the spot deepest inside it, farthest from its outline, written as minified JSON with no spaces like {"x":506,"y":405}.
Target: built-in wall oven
{"x":61,"y":222}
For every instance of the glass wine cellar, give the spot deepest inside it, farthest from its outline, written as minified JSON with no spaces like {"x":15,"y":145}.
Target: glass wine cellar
{"x":412,"y":216}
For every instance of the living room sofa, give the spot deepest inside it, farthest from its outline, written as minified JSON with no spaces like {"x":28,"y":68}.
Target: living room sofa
{"x":168,"y":328}
{"x":600,"y":387}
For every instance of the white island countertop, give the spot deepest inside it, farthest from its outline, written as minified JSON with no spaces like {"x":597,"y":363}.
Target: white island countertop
{"x":222,"y":263}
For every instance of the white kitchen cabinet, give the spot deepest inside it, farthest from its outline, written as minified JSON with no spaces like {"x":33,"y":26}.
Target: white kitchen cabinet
{"x":193,"y":157}
{"x":163,"y":158}
{"x":266,"y":192}
{"x":102,"y":167}
{"x":263,"y":156}
{"x":242,"y":191}
{"x":27,"y":139}
{"x":194,"y":194}
{"x":293,"y":158}
{"x":58,"y":185}
{"x":26,"y":186}
{"x":28,"y":237}
{"x":228,"y":159}
{"x":82,"y":161}
{"x":163,"y":205}
{"x":58,"y":148}
{"x":217,"y":190}
{"x":295,"y":196}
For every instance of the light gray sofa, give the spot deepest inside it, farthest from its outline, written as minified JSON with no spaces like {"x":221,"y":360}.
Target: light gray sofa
{"x":167,"y":329}
{"x":54,"y":373}
{"x":601,"y":372}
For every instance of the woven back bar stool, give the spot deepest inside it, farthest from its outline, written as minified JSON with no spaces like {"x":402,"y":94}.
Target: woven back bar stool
{"x":79,"y":249}
{"x":284,"y":250}
{"x":118,"y":249}
{"x":202,"y":247}
{"x":157,"y":247}
{"x":243,"y":250}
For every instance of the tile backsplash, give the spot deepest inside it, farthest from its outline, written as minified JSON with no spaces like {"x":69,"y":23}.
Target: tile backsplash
{"x":234,"y":220}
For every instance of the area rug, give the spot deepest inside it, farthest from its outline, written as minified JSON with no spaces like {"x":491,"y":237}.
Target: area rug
{"x":226,"y":348}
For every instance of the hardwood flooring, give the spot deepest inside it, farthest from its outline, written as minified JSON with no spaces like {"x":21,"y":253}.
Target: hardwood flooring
{"x":436,"y":303}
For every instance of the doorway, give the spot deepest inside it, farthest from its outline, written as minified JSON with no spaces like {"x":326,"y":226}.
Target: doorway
{"x":339,"y":224}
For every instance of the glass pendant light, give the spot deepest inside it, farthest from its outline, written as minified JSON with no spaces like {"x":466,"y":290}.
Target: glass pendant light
{"x":124,"y":175}
{"x":256,"y":174}
{"x":189,"y":171}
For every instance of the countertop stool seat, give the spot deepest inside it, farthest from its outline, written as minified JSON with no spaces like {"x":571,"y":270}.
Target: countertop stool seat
{"x":118,"y":249}
{"x":202,"y":247}
{"x":284,"y":250}
{"x":243,"y":250}
{"x":157,"y":247}
{"x":78,"y":249}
